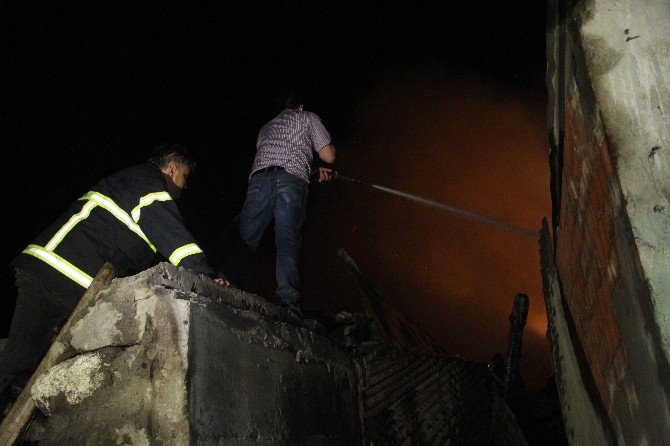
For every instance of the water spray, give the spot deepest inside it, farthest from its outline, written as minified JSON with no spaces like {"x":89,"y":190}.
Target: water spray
{"x":454,"y":210}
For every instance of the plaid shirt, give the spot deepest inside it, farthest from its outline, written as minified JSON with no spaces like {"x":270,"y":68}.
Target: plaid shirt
{"x":289,"y":141}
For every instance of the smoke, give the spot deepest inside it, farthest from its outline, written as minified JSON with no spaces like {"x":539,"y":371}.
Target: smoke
{"x":463,"y":142}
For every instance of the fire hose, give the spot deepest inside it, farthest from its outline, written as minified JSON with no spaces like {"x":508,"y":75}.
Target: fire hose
{"x":444,"y":207}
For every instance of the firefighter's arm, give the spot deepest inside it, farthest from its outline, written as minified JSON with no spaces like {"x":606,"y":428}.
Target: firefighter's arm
{"x":163,"y":225}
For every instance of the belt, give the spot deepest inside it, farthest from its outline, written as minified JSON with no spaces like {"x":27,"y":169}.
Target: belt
{"x":268,"y":169}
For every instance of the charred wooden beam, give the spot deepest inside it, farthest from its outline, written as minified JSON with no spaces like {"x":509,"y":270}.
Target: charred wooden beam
{"x":392,"y":323}
{"x":517,"y":322}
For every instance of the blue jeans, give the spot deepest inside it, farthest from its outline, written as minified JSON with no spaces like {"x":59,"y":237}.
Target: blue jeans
{"x":281,"y":196}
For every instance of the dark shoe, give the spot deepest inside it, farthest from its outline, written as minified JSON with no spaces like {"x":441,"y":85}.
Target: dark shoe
{"x":293,"y":308}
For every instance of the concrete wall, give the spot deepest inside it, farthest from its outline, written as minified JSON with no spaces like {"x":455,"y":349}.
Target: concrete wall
{"x":166,"y":357}
{"x":613,"y":229}
{"x":258,"y":376}
{"x":626,"y":46}
{"x":124,"y":381}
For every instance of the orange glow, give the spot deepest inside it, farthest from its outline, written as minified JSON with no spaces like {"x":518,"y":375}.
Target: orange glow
{"x":462,"y":142}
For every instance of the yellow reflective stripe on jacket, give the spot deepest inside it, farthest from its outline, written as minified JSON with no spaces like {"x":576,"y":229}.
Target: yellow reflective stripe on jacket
{"x":108,"y":204}
{"x":184,"y":251}
{"x":72,"y":222}
{"x":146,"y":201}
{"x":60,"y":264}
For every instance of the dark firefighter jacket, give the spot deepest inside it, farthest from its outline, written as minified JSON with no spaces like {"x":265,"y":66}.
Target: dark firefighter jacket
{"x":125,"y":219}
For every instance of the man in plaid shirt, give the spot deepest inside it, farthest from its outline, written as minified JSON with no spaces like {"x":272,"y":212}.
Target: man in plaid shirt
{"x":278,"y":189}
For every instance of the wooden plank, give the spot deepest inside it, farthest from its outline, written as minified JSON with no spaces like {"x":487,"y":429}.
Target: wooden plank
{"x":15,"y":421}
{"x":585,"y":422}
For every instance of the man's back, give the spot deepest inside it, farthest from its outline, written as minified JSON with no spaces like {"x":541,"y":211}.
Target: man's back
{"x":290,"y":140}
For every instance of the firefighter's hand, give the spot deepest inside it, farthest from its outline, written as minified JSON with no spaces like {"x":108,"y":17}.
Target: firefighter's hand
{"x":217,"y":280}
{"x":325,"y":174}
{"x":222,"y":282}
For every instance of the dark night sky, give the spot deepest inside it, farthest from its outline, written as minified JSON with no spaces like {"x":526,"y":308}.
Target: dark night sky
{"x":445,"y":101}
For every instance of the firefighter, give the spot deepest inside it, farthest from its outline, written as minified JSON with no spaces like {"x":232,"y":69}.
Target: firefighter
{"x":127,"y":219}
